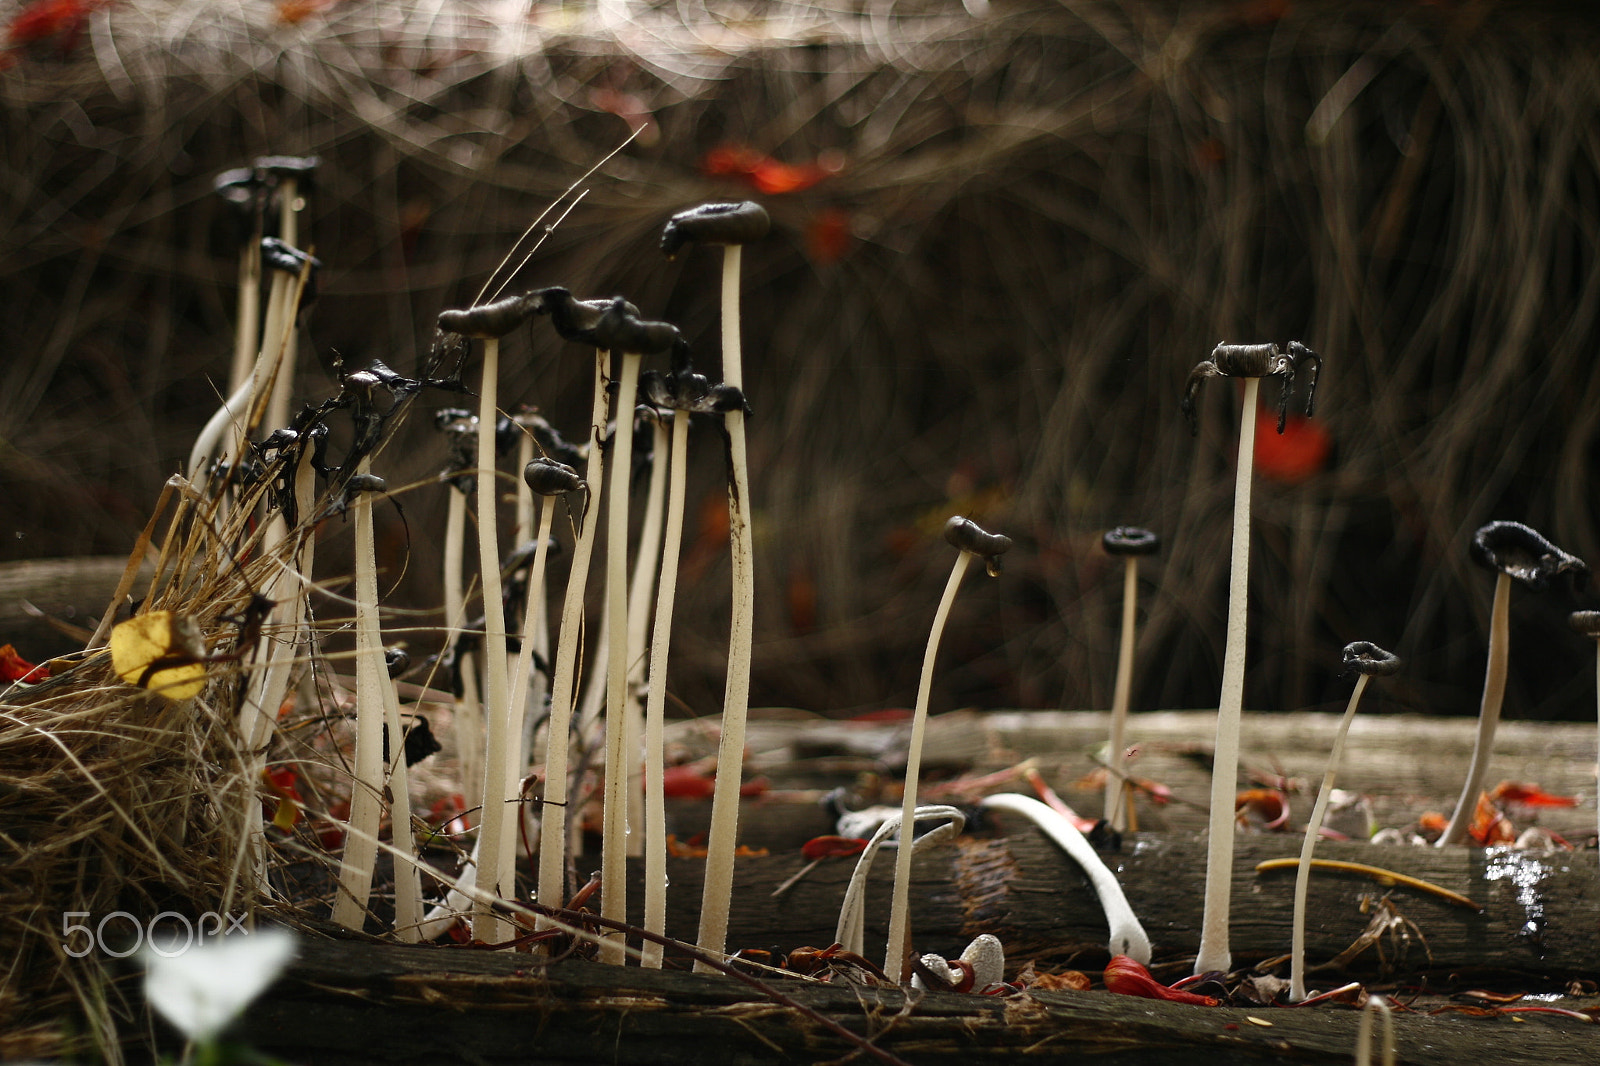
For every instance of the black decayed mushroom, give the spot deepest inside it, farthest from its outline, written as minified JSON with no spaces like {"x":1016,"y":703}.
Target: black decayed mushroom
{"x":243,"y":190}
{"x":1514,"y":552}
{"x":1587,"y":623}
{"x":1366,"y":660}
{"x":1128,"y":542}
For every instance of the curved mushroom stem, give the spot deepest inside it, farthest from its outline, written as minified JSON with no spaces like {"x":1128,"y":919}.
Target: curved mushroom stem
{"x":496,"y":697}
{"x":647,"y":561}
{"x":1214,"y":953}
{"x":723,"y":833}
{"x":466,"y":719}
{"x":899,"y":943}
{"x":1116,"y":761}
{"x":1494,"y":691}
{"x":1302,"y":877}
{"x":553,"y":810}
{"x":614,"y":842}
{"x":655,"y":809}
{"x":851,"y":930}
{"x":1375,"y":1005}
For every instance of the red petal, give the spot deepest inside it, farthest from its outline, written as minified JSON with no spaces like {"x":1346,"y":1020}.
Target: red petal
{"x":832,"y":846}
{"x":14,"y":667}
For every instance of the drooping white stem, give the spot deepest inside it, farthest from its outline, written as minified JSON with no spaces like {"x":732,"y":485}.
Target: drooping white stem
{"x":532,"y":622}
{"x":899,"y":942}
{"x":646,"y":563}
{"x":1494,"y":692}
{"x":619,"y":760}
{"x":1116,"y":760}
{"x":655,"y":807}
{"x":723,"y":834}
{"x":1302,"y":877}
{"x":1127,"y":935}
{"x":852,"y":928}
{"x":1377,"y":1004}
{"x":366,"y":802}
{"x":467,"y":716}
{"x":1214,"y":952}
{"x":553,"y":811}
{"x":496,"y":696}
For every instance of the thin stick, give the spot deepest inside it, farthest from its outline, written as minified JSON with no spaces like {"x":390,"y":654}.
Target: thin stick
{"x":1494,"y":692}
{"x":899,"y":943}
{"x":1214,"y":953}
{"x":1377,"y":873}
{"x":1117,"y":799}
{"x":130,"y":573}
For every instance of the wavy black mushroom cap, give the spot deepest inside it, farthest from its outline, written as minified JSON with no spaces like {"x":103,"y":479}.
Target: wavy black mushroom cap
{"x":494,"y":319}
{"x":396,"y":661}
{"x":546,"y":477}
{"x":620,"y":329}
{"x":967,"y":535}
{"x":1130,"y":540}
{"x":299,"y":167}
{"x":1255,"y":361}
{"x":1586,"y":623}
{"x":279,"y":255}
{"x":454,"y":420}
{"x":574,"y":319}
{"x":241,"y":187}
{"x":691,"y":392}
{"x":1365,"y":657}
{"x":716,"y":223}
{"x":1524,"y":554}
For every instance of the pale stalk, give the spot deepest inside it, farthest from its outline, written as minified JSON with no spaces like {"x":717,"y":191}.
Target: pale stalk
{"x":408,"y":909}
{"x":724,"y":830}
{"x":466,"y":719}
{"x":1116,"y":760}
{"x":619,"y":760}
{"x":1302,"y":877}
{"x":1214,"y":951}
{"x":899,"y":942}
{"x":553,"y":811}
{"x":646,"y":563}
{"x":1494,"y":693}
{"x":655,"y":806}
{"x":289,"y":230}
{"x":247,"y":328}
{"x":521,"y":527}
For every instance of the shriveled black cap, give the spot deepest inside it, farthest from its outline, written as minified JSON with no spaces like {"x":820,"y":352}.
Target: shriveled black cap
{"x":716,"y":223}
{"x":1365,"y":657}
{"x":1524,"y":554}
{"x":1130,"y":540}
{"x":967,"y":535}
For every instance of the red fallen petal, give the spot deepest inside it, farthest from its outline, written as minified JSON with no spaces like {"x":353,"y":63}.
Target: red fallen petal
{"x":775,"y":178}
{"x":1268,"y":805}
{"x":730,"y":160}
{"x":1055,"y":802}
{"x":1523,"y":793}
{"x":1294,"y":455}
{"x":827,"y":847}
{"x":887,"y":714}
{"x":1126,"y":977}
{"x":1489,"y":826}
{"x":685,"y":782}
{"x":754,"y":787}
{"x":14,"y":667}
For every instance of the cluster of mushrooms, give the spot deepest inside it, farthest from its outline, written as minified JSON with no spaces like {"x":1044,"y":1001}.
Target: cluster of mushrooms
{"x":625,"y":700}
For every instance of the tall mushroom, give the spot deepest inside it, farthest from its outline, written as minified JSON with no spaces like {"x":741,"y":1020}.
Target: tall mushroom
{"x":1368,"y":661}
{"x":971,"y":542}
{"x":1129,"y":542}
{"x":731,"y":225}
{"x":1588,"y":624}
{"x":243,"y":189}
{"x":1252,"y":362}
{"x":1517,"y":552}
{"x":292,"y":177}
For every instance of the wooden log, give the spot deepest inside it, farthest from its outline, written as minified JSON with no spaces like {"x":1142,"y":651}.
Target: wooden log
{"x":74,"y":590}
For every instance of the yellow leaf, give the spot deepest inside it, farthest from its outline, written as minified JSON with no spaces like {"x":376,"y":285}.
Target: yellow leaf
{"x":160,"y":651}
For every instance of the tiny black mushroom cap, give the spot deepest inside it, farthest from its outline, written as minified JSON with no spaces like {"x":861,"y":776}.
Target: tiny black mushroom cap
{"x":688,"y":391}
{"x":1365,"y":657}
{"x":1586,"y":623}
{"x":716,"y":223}
{"x":396,"y":661}
{"x":1524,"y":554}
{"x":299,"y":167}
{"x":967,"y":535}
{"x":242,"y":188}
{"x":494,"y":319}
{"x":546,"y":477}
{"x":1130,"y":540}
{"x":620,"y":329}
{"x":1254,"y":361}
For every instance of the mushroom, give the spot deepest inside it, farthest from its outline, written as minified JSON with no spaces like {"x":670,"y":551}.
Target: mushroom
{"x":490,"y":322}
{"x":1588,"y":624}
{"x":459,"y":425}
{"x":243,"y":189}
{"x":1514,"y":551}
{"x":1251,"y":362}
{"x":1368,"y":661}
{"x":851,"y":930}
{"x":731,"y":225}
{"x":1127,"y":935}
{"x":292,"y":176}
{"x":972,"y":542}
{"x":1130,"y":542}
{"x":1377,"y":1004}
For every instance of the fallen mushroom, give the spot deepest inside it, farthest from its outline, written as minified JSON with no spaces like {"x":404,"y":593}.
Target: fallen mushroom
{"x":851,"y":930}
{"x":1368,"y":661}
{"x":1130,"y":543}
{"x":1517,"y":552}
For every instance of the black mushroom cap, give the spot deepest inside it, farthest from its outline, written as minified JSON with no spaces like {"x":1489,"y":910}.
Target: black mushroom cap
{"x":1130,"y":540}
{"x":575,"y":320}
{"x":396,"y":661}
{"x":453,"y":419}
{"x":494,"y":319}
{"x":1523,"y":553}
{"x":1365,"y":657}
{"x":620,"y":329}
{"x":1586,"y":623}
{"x":688,"y":391}
{"x":241,"y":187}
{"x":296,"y":166}
{"x":1254,"y":361}
{"x":280,"y":255}
{"x":716,"y":223}
{"x":967,"y":535}
{"x":546,"y":477}
{"x":551,"y":442}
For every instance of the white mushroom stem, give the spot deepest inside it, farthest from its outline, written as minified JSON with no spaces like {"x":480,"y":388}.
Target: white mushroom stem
{"x":1375,"y":1005}
{"x":1127,"y":935}
{"x":899,"y":943}
{"x":851,"y":930}
{"x":486,"y":926}
{"x":289,"y":230}
{"x":521,"y":530}
{"x":532,"y":622}
{"x":408,"y":909}
{"x":366,"y":800}
{"x":1116,"y":754}
{"x":647,"y":561}
{"x":466,"y":720}
{"x":1302,"y":877}
{"x":247,"y":328}
{"x":724,"y":830}
{"x":619,"y":759}
{"x":553,"y":811}
{"x":1494,"y":692}
{"x":1214,"y":952}
{"x":655,"y":807}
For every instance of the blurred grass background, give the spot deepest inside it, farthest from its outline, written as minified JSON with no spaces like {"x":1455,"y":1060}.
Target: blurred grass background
{"x":1003,"y":235}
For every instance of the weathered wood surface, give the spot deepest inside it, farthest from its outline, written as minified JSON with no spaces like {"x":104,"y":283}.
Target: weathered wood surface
{"x":346,"y":1003}
{"x":74,"y":590}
